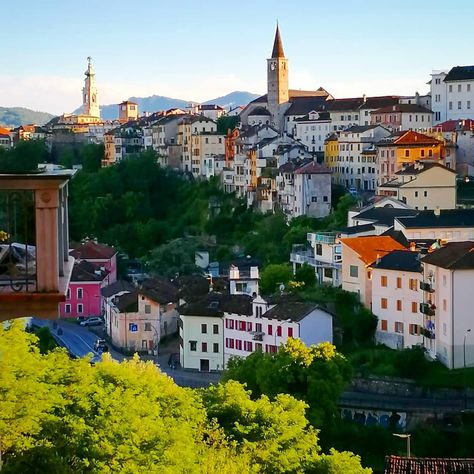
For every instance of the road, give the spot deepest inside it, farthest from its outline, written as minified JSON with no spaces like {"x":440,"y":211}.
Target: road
{"x":79,"y":341}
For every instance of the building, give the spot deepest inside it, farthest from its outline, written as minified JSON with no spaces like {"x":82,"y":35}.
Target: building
{"x":90,"y":98}
{"x":401,"y":148}
{"x":403,"y":117}
{"x":359,"y":255}
{"x":83,"y":296}
{"x":5,"y":138}
{"x":423,"y":185}
{"x":312,"y":130}
{"x":128,"y":111}
{"x":98,"y":254}
{"x":448,"y":279}
{"x":122,"y":142}
{"x":452,"y":94}
{"x":396,"y":298}
{"x":409,"y":465}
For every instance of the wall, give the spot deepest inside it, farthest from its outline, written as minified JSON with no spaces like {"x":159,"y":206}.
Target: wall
{"x":316,"y":327}
{"x":91,"y":300}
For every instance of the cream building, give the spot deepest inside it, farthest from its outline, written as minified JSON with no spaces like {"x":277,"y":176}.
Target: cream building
{"x":423,"y":185}
{"x":396,"y":298}
{"x":90,"y":98}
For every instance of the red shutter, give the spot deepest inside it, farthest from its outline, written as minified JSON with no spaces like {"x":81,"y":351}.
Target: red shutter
{"x":270,"y":330}
{"x":290,"y":332}
{"x":249,"y":326}
{"x":279,"y":331}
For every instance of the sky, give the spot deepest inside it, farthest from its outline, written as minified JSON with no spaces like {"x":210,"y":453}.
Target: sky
{"x":201,"y":49}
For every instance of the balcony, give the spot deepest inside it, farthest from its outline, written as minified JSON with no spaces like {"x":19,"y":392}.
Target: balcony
{"x":303,"y":256}
{"x":426,"y":287}
{"x":258,"y":336}
{"x":35,"y":266}
{"x":322,"y":238}
{"x":428,"y":309}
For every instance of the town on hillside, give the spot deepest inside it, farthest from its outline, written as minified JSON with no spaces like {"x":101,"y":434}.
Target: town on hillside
{"x":367,"y":316}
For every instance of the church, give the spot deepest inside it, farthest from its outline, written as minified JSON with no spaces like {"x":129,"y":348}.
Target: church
{"x":280,"y":106}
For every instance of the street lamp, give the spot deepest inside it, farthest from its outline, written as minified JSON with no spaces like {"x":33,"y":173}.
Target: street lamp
{"x":407,"y":436}
{"x":464,"y":346}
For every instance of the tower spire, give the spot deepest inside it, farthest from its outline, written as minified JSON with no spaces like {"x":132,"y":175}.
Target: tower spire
{"x":277,"y":45}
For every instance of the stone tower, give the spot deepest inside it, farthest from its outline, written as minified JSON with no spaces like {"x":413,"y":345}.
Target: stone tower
{"x":90,"y":100}
{"x":277,"y":78}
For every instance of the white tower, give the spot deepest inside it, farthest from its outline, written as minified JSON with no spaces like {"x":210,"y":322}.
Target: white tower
{"x":90,"y":101}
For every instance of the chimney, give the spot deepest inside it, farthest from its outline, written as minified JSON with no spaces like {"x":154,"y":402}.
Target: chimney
{"x":364,"y":98}
{"x":437,"y":211}
{"x":417,"y":98}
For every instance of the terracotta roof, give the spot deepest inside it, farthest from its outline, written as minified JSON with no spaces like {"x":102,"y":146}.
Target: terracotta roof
{"x":453,"y":255}
{"x":277,"y":45}
{"x":455,"y":125}
{"x":460,"y":73}
{"x":402,"y":465}
{"x":313,"y":168}
{"x":369,"y":249}
{"x":414,"y":108}
{"x":90,"y":250}
{"x":409,"y":137}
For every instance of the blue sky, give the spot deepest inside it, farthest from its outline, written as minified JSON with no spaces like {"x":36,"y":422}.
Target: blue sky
{"x":198,"y":50}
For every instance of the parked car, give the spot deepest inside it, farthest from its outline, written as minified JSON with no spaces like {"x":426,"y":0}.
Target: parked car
{"x":79,"y":319}
{"x":100,"y":346}
{"x":92,"y":321}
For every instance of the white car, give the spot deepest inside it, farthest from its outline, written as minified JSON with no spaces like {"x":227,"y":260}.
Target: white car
{"x":93,"y":321}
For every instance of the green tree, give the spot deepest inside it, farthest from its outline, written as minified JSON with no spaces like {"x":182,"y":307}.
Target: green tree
{"x":306,"y":275}
{"x":91,"y":156}
{"x":23,"y":157}
{"x":273,"y":275}
{"x":227,"y":122}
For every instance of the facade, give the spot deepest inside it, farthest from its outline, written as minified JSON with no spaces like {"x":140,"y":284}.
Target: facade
{"x":452,"y":94}
{"x":448,"y":279}
{"x":98,"y":254}
{"x":396,"y":298}
{"x":5,"y":138}
{"x":403,"y":117}
{"x":312,"y":130}
{"x":128,"y":111}
{"x":359,"y":255}
{"x":90,"y":99}
{"x":423,"y":185}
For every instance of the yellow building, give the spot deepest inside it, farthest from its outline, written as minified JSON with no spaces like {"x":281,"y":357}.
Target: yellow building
{"x":331,"y":155}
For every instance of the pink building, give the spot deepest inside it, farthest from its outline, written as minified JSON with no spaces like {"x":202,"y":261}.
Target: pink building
{"x":98,"y":254}
{"x":83,"y":297}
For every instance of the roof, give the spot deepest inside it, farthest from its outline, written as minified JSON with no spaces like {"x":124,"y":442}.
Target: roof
{"x":453,"y":255}
{"x":160,"y":290}
{"x":403,"y":260}
{"x":422,"y":166}
{"x":460,"y":73}
{"x":293,"y":310}
{"x":90,"y":250}
{"x":361,"y":128}
{"x":409,"y":137}
{"x":356,"y":229}
{"x":277,"y":51}
{"x":380,"y":101}
{"x":215,"y":304}
{"x":321,"y":116}
{"x":397,"y":235}
{"x":414,"y":108}
{"x":260,"y":111}
{"x":210,"y":107}
{"x":302,"y":104}
{"x":384,"y":215}
{"x":313,"y":168}
{"x":369,"y":249}
{"x":192,"y":287}
{"x":455,"y":125}
{"x":127,"y":303}
{"x":446,"y":218}
{"x":86,"y":271}
{"x":116,"y":287}
{"x":402,"y":465}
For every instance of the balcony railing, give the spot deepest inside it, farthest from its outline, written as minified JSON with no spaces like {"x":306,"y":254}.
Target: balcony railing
{"x":427,"y":308}
{"x":303,"y":257}
{"x":258,"y":336}
{"x":322,"y":237}
{"x":426,"y":287}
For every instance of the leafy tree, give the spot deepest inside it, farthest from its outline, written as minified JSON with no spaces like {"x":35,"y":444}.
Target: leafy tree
{"x":227,"y":122}
{"x":306,"y":274}
{"x":91,"y":156}
{"x":272,"y":275}
{"x":316,"y":375}
{"x":23,"y":157}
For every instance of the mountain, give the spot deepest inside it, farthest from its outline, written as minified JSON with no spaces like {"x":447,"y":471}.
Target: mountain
{"x":157,"y":102}
{"x":16,"y":116}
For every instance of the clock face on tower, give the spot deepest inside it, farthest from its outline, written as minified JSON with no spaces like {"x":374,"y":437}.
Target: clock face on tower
{"x":272,"y":66}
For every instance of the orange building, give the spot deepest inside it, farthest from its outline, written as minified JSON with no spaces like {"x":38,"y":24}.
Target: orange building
{"x":230,"y":145}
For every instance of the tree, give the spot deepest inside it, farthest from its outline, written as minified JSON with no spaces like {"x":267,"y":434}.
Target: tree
{"x":316,"y":375}
{"x":273,"y":275}
{"x":227,"y":122}
{"x":306,"y":275}
{"x":23,"y":157}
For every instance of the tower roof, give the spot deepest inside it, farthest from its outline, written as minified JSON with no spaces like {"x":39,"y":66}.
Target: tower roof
{"x":277,"y":46}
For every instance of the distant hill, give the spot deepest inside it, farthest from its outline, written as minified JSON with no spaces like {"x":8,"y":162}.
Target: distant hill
{"x":16,"y":116}
{"x":157,"y":102}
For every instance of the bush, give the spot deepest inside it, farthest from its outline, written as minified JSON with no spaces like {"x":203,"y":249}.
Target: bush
{"x":411,"y":363}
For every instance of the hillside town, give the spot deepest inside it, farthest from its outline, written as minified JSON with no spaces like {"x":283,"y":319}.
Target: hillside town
{"x":399,"y":258}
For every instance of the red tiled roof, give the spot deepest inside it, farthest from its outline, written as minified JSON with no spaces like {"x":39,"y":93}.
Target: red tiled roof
{"x":413,"y":108}
{"x":372,"y":247}
{"x":91,"y":250}
{"x":403,"y":465}
{"x":453,"y":125}
{"x":415,"y":138}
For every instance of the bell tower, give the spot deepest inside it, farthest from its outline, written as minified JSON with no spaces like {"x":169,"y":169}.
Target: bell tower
{"x":90,"y":101}
{"x":277,"y":78}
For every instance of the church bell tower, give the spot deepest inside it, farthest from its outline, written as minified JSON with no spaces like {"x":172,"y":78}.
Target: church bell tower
{"x":90,"y":100}
{"x":277,"y":78}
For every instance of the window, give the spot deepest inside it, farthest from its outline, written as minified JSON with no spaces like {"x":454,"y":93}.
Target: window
{"x":399,"y":282}
{"x":319,"y":249}
{"x":383,"y":303}
{"x":241,"y":287}
{"x":229,"y":343}
{"x":398,"y":327}
{"x":290,"y":332}
{"x":204,"y":347}
{"x":407,"y":153}
{"x":383,"y":324}
{"x":270,"y":329}
{"x":416,"y":194}
{"x":399,"y":305}
{"x":242,"y":326}
{"x":468,"y":87}
{"x":192,"y":345}
{"x":248,"y":346}
{"x":203,"y":328}
{"x":314,"y":199}
{"x":68,"y":294}
{"x":67,"y":308}
{"x":147,"y":326}
{"x":215,"y":347}
{"x":229,"y":323}
{"x":238,"y":344}
{"x":80,"y":293}
{"x":450,"y":88}
{"x":444,"y":281}
{"x":414,"y":307}
{"x":279,"y":331}
{"x":325,"y":199}
{"x":450,"y":106}
{"x":459,"y":105}
{"x":80,"y":308}
{"x":354,"y":271}
{"x":445,"y":329}
{"x":147,"y":309}
{"x":468,"y":104}
{"x":445,"y":305}
{"x":258,"y":326}
{"x":414,"y":329}
{"x":383,"y":280}
{"x":249,"y":326}
{"x":459,"y":87}
{"x":258,"y":346}
{"x":215,"y":329}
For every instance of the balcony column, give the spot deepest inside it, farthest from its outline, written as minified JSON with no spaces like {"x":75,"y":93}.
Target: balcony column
{"x":47,"y":249}
{"x":65,"y":226}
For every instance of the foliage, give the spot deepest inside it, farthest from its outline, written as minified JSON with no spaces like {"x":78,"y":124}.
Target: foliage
{"x":46,"y":341}
{"x":226,"y":123}
{"x":23,"y":157}
{"x":316,"y":375}
{"x":306,"y":274}
{"x":273,"y":275}
{"x":61,"y":415}
{"x":411,"y":362}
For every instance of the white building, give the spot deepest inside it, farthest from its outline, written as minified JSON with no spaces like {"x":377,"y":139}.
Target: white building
{"x":396,"y":298}
{"x":452,"y":94}
{"x":312,"y":130}
{"x":447,"y":305}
